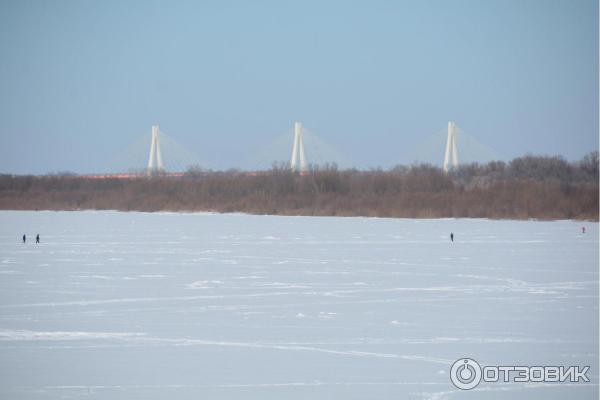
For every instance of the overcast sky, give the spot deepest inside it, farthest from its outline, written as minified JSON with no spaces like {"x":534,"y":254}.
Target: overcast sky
{"x":81,"y":80}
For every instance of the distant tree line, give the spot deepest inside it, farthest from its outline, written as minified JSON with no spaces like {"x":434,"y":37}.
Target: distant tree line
{"x":526,"y":187}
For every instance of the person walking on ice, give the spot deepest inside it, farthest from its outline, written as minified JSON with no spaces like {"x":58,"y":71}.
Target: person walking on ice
{"x":451,"y":236}
{"x":24,"y":238}
{"x":37,"y":238}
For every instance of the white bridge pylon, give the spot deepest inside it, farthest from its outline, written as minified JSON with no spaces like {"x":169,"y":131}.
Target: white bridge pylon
{"x":155,"y":163}
{"x":451,"y":154}
{"x":298,"y":150}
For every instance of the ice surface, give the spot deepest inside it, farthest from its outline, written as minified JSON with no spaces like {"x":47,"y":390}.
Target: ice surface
{"x":186,"y":306}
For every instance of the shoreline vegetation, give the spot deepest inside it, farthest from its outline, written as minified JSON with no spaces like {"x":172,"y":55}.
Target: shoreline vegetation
{"x":529,"y":187}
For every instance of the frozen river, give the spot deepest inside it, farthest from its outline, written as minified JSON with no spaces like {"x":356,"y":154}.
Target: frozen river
{"x":204,"y":306}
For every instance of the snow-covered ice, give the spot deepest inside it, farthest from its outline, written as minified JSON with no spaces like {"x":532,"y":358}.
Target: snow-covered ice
{"x":118,"y":305}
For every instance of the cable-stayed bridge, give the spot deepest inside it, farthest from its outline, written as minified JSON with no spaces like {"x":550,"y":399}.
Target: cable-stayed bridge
{"x":299,"y":149}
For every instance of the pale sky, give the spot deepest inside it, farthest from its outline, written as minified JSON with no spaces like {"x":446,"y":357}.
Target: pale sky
{"x":81,"y":80}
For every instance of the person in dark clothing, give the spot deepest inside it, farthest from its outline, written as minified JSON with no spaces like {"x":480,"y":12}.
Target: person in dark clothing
{"x":452,"y":236}
{"x":37,"y":238}
{"x":24,"y":238}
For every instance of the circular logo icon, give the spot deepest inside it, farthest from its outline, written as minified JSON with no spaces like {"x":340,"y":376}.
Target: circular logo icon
{"x":465,"y":373}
